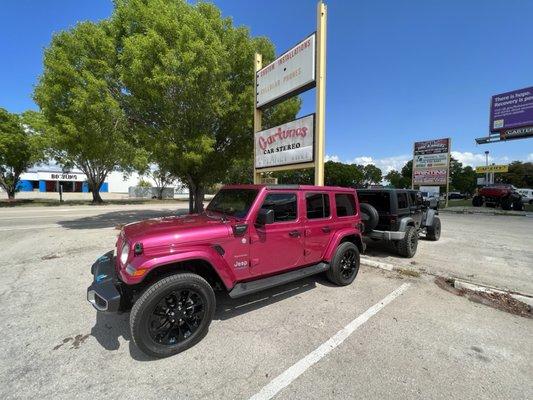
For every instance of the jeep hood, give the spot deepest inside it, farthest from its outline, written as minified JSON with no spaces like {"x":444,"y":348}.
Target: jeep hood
{"x":182,"y":229}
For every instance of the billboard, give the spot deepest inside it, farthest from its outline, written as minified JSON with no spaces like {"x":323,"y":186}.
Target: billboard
{"x":483,"y":169}
{"x":289,"y":74}
{"x":511,"y":110}
{"x":290,"y":143}
{"x":431,"y":162}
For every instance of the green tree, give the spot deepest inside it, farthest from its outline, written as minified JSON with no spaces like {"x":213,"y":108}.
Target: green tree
{"x":372,"y":174}
{"x":20,"y":147}
{"x":335,"y":174}
{"x":80,"y":95}
{"x":188,"y":76}
{"x":520,"y":174}
{"x":394,"y":178}
{"x":465,"y":181}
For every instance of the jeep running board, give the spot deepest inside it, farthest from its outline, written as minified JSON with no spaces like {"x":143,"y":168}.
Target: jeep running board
{"x":244,"y":288}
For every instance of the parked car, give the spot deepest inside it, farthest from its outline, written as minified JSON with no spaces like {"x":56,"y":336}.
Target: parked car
{"x":250,"y":238}
{"x":527,"y":195}
{"x":431,"y":199}
{"x":456,"y":196}
{"x":398,"y":216}
{"x":498,"y":195}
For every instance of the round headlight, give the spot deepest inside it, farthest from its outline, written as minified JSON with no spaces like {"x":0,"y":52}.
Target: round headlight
{"x":124,"y":253}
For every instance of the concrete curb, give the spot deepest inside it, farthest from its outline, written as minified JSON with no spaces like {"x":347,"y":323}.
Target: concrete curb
{"x":503,"y":213}
{"x":458,"y":283}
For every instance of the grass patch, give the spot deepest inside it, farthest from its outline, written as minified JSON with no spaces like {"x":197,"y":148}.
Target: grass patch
{"x":468,"y":203}
{"x":407,"y":272}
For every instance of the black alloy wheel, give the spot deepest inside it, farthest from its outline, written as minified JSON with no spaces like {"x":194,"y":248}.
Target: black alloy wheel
{"x":172,"y":315}
{"x":344,"y":265}
{"x":176,"y":317}
{"x":349,"y":263}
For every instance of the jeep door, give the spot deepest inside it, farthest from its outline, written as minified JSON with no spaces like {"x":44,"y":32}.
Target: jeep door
{"x":318,"y":226}
{"x":278,"y":246}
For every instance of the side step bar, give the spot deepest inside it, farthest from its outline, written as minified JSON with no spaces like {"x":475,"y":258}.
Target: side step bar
{"x":244,"y":288}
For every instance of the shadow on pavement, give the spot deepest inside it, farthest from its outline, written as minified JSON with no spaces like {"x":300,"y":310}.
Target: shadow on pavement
{"x":109,"y":328}
{"x":112,"y":219}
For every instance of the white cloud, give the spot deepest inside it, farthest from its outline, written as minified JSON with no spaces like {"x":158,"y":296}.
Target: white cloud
{"x":530,"y":157}
{"x":332,"y":158}
{"x":476,"y":159}
{"x":386,"y":164}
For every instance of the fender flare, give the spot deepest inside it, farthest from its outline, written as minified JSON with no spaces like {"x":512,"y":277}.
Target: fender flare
{"x":202,"y":253}
{"x":405,"y":222}
{"x":338,"y":237}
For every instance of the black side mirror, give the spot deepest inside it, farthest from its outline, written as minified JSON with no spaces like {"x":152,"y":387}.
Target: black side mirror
{"x":265,"y":216}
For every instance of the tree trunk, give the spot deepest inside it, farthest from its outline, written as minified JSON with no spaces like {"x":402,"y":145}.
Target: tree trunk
{"x":95,"y":191}
{"x":199,"y":195}
{"x":191,"y":197}
{"x":11,"y":193}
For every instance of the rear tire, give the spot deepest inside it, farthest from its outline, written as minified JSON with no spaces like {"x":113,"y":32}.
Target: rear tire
{"x":408,"y":245}
{"x":344,"y":264}
{"x":477,"y":201}
{"x":518,"y":205}
{"x":433,"y":231}
{"x":172,"y":315}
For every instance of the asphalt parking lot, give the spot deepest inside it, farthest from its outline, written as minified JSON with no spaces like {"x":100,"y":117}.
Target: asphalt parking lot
{"x":386,"y":336}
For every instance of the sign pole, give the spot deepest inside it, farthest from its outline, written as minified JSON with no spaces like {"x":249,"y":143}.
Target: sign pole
{"x":448,"y":172}
{"x":320,"y":93}
{"x":258,"y":64}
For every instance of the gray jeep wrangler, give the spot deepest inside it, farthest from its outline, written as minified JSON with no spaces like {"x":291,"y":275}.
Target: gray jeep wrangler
{"x":398,"y":216}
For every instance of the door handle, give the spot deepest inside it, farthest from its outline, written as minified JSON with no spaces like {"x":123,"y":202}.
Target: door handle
{"x":326,"y":229}
{"x":294,"y":233}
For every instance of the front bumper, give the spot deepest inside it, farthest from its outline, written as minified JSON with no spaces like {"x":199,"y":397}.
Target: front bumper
{"x":387,"y":235}
{"x":104,"y":293}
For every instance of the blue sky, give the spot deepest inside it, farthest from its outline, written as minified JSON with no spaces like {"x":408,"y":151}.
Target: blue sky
{"x":398,"y":71}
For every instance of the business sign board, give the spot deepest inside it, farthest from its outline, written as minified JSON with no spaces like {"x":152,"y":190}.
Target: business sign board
{"x":511,"y":110}
{"x":61,"y":176}
{"x":290,"y":143}
{"x":517,"y":133}
{"x":431,"y":162}
{"x":291,"y":73}
{"x":484,"y":169}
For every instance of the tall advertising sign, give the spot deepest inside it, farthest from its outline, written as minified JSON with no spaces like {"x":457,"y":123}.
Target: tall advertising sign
{"x":431,"y":162}
{"x":299,"y":143}
{"x":291,"y":73}
{"x":512,"y":110}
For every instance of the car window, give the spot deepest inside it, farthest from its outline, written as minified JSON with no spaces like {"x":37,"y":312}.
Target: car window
{"x":283,"y":204}
{"x":317,"y":205}
{"x":412,"y":195}
{"x":345,"y":204}
{"x":233,"y":202}
{"x":380,"y":200}
{"x":402,"y":200}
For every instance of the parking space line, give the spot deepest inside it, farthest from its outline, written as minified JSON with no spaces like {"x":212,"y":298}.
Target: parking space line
{"x":297,"y":369}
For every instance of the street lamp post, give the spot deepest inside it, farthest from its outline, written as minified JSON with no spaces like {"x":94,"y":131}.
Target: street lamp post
{"x":486,"y":164}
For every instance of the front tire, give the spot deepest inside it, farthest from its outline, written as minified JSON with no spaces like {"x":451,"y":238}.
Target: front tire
{"x":172,"y":315}
{"x":344,"y":265}
{"x":408,"y":245}
{"x":477,"y":201}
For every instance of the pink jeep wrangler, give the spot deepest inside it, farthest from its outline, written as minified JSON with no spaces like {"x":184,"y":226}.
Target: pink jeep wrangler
{"x":250,"y":238}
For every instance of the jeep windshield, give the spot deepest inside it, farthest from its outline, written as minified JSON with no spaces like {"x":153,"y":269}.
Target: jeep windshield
{"x":232,"y":202}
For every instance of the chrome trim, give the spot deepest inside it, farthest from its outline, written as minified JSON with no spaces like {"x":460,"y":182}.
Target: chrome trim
{"x":91,"y":298}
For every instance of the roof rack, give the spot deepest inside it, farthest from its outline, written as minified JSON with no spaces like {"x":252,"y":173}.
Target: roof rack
{"x":283,"y":186}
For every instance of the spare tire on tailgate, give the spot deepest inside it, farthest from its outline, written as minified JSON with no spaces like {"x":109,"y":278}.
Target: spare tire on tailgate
{"x":369,"y":216}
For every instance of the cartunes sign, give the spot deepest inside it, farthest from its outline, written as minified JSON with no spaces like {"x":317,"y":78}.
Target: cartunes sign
{"x":290,"y":143}
{"x":291,"y":73}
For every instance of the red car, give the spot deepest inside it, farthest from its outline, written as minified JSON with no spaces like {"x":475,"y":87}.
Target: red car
{"x":250,"y":238}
